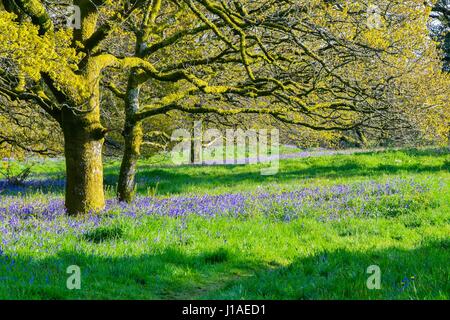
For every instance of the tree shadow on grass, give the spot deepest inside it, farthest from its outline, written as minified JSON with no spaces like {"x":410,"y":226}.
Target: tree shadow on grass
{"x":175,"y":179}
{"x":412,"y":152}
{"x":170,"y":274}
{"x":421,"y":273}
{"x":220,"y":274}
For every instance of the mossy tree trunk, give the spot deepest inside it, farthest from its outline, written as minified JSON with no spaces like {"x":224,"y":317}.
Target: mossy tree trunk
{"x":83,"y":142}
{"x":133,"y":136}
{"x":127,"y":180}
{"x":133,"y":131}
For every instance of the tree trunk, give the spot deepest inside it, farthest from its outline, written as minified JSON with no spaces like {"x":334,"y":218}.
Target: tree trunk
{"x":83,"y":142}
{"x":132,"y":132}
{"x":133,"y":140}
{"x":133,"y":136}
{"x":448,"y":127}
{"x":192,"y":153}
{"x":196,"y":142}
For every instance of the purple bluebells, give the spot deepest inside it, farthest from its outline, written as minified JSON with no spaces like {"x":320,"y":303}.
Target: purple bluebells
{"x":40,"y":221}
{"x":41,"y":218}
{"x":32,"y":186}
{"x":363,"y":199}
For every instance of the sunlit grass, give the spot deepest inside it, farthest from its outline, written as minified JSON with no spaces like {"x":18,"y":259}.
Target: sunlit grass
{"x":259,"y":255}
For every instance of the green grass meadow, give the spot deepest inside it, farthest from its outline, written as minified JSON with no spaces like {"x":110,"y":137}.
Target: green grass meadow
{"x":257,"y":256}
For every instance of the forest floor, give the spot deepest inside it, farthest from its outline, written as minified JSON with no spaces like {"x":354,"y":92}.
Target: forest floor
{"x":227,"y":232}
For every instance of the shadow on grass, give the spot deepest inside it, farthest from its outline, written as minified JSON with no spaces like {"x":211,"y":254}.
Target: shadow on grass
{"x":175,"y":179}
{"x":170,"y":274}
{"x":222,"y":274}
{"x":421,"y":273}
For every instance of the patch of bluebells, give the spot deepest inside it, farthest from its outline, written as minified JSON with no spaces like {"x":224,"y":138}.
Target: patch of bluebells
{"x":42,"y":216}
{"x":31,"y":186}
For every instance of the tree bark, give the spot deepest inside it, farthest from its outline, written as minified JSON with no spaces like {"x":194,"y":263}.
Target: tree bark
{"x":83,"y":142}
{"x":127,"y":176}
{"x":133,"y":136}
{"x":132,"y":132}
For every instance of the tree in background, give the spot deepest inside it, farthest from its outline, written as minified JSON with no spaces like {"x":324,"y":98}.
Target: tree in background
{"x":440,"y":28}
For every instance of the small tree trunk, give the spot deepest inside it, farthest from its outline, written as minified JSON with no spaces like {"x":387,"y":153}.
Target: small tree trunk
{"x":196,"y":152}
{"x":192,"y":153}
{"x":84,"y":167}
{"x":133,"y":140}
{"x":133,"y":136}
{"x":448,"y":127}
{"x":362,"y":138}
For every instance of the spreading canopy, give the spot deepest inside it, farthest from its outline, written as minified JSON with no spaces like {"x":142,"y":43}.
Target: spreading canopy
{"x":321,"y":64}
{"x":325,"y":65}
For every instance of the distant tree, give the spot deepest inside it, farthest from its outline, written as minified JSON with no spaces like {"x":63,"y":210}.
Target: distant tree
{"x":440,"y":28}
{"x":25,"y":130}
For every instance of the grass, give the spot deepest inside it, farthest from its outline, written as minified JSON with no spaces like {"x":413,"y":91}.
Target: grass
{"x":258,"y":256}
